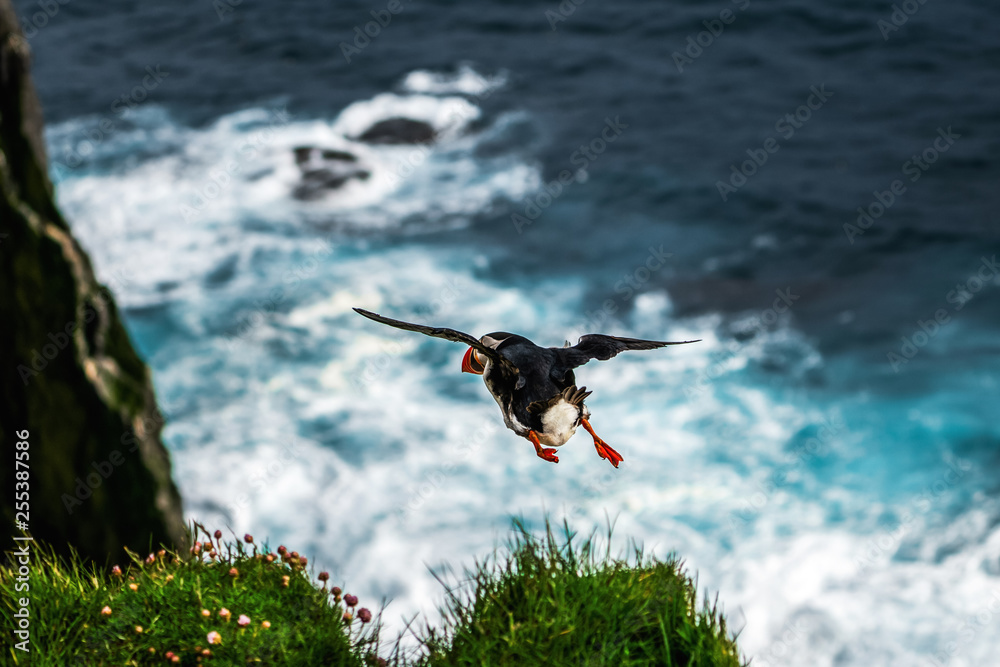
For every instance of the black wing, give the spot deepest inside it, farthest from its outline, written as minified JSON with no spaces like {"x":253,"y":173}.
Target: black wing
{"x":599,"y":346}
{"x":448,"y":334}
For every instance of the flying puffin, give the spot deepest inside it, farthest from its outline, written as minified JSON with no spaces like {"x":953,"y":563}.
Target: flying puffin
{"x":534,"y":386}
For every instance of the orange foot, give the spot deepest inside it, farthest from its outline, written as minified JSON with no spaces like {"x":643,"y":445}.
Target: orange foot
{"x":548,"y":454}
{"x":603,"y":449}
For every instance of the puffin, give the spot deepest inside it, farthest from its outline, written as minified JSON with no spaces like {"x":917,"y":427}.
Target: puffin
{"x":535,"y":386}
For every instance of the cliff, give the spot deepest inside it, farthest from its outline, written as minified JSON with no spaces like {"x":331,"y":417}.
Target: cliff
{"x":69,"y":375}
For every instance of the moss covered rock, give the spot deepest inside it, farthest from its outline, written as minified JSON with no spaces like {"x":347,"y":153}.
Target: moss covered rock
{"x":69,"y":375}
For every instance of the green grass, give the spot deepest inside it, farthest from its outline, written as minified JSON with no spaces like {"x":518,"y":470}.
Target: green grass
{"x":549,"y":601}
{"x":538,"y":601}
{"x":69,"y":628}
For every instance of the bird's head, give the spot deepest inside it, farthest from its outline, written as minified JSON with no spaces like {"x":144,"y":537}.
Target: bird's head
{"x":473,"y":362}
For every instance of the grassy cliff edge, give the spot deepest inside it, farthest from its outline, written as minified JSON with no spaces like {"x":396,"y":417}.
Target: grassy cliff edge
{"x":538,"y":601}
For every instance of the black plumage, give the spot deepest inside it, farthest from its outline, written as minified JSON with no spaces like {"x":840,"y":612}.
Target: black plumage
{"x":535,"y":386}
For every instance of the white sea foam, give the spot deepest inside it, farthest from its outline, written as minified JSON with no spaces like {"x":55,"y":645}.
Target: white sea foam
{"x":365,"y":448}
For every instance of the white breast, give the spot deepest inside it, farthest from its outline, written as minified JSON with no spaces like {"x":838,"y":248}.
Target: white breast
{"x":559,"y":424}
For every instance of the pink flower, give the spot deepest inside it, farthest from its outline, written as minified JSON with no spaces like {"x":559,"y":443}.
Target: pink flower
{"x":351,"y":600}
{"x":206,"y":613}
{"x":364,"y":615}
{"x":244,"y":620}
{"x":224,"y":613}
{"x":265,"y":624}
{"x":106,"y":611}
{"x":214,"y":637}
{"x":218,"y":534}
{"x":117,"y":571}
{"x":248,"y":538}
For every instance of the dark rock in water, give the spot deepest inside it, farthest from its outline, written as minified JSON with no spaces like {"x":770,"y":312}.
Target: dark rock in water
{"x":318,"y":182}
{"x":71,"y":384}
{"x":305,"y":154}
{"x":399,"y":131}
{"x":324,"y":170}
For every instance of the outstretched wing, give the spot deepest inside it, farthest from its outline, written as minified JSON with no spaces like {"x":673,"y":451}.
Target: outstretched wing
{"x":448,"y":334}
{"x":599,"y":346}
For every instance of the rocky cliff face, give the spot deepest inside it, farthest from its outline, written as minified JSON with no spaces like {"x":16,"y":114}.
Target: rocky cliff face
{"x":69,"y":376}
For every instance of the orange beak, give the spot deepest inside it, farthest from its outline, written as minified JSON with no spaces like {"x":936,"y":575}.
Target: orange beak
{"x":470,"y":364}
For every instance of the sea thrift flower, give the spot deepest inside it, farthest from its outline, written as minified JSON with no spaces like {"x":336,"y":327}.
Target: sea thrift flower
{"x":206,"y":613}
{"x":336,"y":590}
{"x":161,"y":553}
{"x":364,"y":615}
{"x":233,"y":572}
{"x":248,"y":538}
{"x":212,"y":554}
{"x":265,"y":624}
{"x":206,"y":652}
{"x":117,"y":571}
{"x":218,"y":534}
{"x":324,"y":576}
{"x":284,"y":581}
{"x":134,"y":587}
{"x":244,"y":620}
{"x":150,"y":559}
{"x":176,"y":658}
{"x":106,"y":611}
{"x":170,"y":577}
{"x":303,"y":560}
{"x":270,"y":558}
{"x":224,"y":613}
{"x":214,"y":637}
{"x":168,"y":655}
{"x":347,"y":617}
{"x":282,"y":550}
{"x":351,"y":600}
{"x":138,"y":629}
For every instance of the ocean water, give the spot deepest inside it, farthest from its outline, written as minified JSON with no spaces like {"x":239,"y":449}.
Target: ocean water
{"x":826,"y":459}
